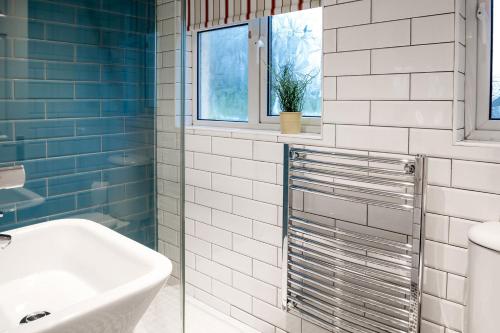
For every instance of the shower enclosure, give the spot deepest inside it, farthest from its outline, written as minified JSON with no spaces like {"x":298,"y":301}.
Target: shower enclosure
{"x":78,"y":111}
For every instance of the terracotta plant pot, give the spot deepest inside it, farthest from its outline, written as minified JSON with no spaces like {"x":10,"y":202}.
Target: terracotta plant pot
{"x":290,"y":122}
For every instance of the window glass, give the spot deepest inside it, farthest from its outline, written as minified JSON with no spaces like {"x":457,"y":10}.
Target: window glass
{"x":495,"y":75}
{"x":297,"y":37}
{"x":223,"y":74}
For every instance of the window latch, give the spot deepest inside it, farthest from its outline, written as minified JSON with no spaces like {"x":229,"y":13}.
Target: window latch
{"x":482,"y":16}
{"x":258,"y":45}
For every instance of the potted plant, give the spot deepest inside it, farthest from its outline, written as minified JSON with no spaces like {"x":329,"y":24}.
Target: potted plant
{"x":290,"y":88}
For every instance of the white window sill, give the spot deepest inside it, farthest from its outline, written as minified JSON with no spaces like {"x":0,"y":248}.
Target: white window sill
{"x":256,"y":134}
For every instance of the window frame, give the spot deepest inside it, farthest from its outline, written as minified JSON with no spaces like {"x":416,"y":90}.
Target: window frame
{"x":258,"y":88}
{"x":478,"y":83}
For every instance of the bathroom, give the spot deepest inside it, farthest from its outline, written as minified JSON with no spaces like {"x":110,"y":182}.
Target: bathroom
{"x":156,"y":177}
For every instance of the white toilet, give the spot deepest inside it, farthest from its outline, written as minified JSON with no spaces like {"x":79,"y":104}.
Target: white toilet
{"x":483,"y":304}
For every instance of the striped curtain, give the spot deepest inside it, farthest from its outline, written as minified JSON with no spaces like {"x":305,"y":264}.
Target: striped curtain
{"x":203,"y":14}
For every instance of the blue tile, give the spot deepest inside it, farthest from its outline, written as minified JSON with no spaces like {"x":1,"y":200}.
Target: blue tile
{"x":121,"y":108}
{"x":72,"y":72}
{"x":50,"y":12}
{"x":74,"y":183}
{"x":106,"y":90}
{"x":83,"y":3}
{"x":100,"y":196}
{"x":124,"y":175}
{"x":37,"y":186}
{"x":16,"y":110}
{"x":123,"y":40}
{"x":34,"y":49}
{"x":11,"y":26}
{"x":20,"y":69}
{"x":99,"y":161}
{"x":5,"y":89}
{"x":99,"y":126}
{"x":80,"y":35}
{"x":100,"y":55}
{"x":73,"y":109}
{"x":100,"y":19}
{"x":43,"y":89}
{"x":122,"y":209}
{"x":44,"y":129}
{"x":49,"y":167}
{"x":5,"y":47}
{"x":51,"y":206}
{"x":127,"y":141}
{"x":22,"y":151}
{"x":138,"y":124}
{"x":9,"y":217}
{"x":140,"y":188}
{"x":139,"y":25}
{"x":122,"y":73}
{"x":73,"y":146}
{"x":130,"y":7}
{"x":6,"y":132}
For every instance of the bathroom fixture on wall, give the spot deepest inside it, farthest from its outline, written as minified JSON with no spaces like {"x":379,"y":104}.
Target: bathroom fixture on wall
{"x":484,"y":274}
{"x":12,"y":177}
{"x":353,"y":229}
{"x":75,"y":275}
{"x":5,"y":240}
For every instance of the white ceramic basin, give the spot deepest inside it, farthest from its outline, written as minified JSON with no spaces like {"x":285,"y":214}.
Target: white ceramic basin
{"x":90,"y":278}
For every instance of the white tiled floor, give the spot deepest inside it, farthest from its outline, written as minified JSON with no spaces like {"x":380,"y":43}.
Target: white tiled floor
{"x":163,"y":316}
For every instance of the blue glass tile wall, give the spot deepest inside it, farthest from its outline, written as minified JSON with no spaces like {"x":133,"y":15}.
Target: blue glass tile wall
{"x":77,"y":110}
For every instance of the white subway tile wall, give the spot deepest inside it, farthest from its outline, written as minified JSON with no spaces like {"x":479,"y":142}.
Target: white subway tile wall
{"x":389,"y":88}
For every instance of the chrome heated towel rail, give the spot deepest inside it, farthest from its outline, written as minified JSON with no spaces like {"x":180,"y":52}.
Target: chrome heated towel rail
{"x":353,"y":240}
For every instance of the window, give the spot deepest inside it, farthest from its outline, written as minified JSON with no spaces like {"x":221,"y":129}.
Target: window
{"x":483,"y":70}
{"x":233,"y":81}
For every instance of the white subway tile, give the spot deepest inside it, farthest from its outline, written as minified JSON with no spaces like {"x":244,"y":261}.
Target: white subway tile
{"x":198,"y":178}
{"x":267,"y":233}
{"x":213,"y":235}
{"x":432,"y":86}
{"x":231,"y":222}
{"x":251,"y":321}
{"x":347,"y":63}
{"x":212,"y":163}
{"x":232,"y":185}
{"x":445,"y":257}
{"x":212,"y":301}
{"x":422,"y":114}
{"x":461,"y":203}
{"x":232,"y":147}
{"x":329,"y":40}
{"x":435,"y":282}
{"x":232,"y":295}
{"x":442,"y":312}
{"x":198,"y":143}
{"x":256,"y":288}
{"x":213,"y":269}
{"x":386,"y":10}
{"x":255,"y":210}
{"x":372,"y":36}
{"x":476,"y":176}
{"x":456,"y":288}
{"x":352,"y":13}
{"x":232,"y":259}
{"x":459,"y":229}
{"x":255,"y":170}
{"x":198,"y":212}
{"x":255,"y":249}
{"x":346,"y":112}
{"x":275,"y":316}
{"x":198,"y":279}
{"x":267,"y":273}
{"x":437,"y":227}
{"x":198,"y":246}
{"x":268,"y":151}
{"x":329,"y":88}
{"x":439,"y":171}
{"x":269,"y":193}
{"x":410,"y":59}
{"x":433,"y":29}
{"x":220,"y":201}
{"x":374,"y":87}
{"x":385,"y":139}
{"x":428,"y":327}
